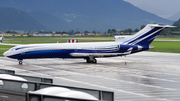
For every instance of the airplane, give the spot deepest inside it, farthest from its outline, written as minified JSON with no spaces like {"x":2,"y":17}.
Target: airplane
{"x":123,"y":45}
{"x":1,"y":38}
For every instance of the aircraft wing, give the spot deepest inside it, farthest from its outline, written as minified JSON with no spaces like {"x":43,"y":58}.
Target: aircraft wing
{"x":96,"y":54}
{"x":101,"y":54}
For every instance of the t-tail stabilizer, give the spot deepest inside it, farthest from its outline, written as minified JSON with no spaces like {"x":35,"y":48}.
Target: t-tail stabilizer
{"x":146,"y":35}
{"x":141,"y":40}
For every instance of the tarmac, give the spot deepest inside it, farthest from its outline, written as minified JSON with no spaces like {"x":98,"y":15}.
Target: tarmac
{"x":145,"y":76}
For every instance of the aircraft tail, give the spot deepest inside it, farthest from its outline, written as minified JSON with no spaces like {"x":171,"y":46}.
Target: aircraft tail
{"x":146,"y":35}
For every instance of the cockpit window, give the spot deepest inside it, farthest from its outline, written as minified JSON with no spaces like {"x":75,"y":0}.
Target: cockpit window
{"x":12,"y":49}
{"x":20,"y":48}
{"x":17,"y":48}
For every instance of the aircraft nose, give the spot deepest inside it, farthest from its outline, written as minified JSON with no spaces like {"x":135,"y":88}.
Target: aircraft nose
{"x":5,"y":53}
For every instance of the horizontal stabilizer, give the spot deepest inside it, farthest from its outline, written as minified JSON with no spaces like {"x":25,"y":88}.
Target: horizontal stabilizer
{"x":161,"y":25}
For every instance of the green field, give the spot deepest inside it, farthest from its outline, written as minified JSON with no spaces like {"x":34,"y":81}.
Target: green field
{"x":159,"y":46}
{"x":35,"y":40}
{"x":166,"y":46}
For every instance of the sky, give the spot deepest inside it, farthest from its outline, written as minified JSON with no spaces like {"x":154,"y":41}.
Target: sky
{"x":162,"y":8}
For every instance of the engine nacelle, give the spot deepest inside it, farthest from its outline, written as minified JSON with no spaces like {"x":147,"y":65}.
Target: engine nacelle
{"x":135,"y":48}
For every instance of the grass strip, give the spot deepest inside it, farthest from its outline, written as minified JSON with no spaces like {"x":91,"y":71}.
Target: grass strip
{"x":4,"y":48}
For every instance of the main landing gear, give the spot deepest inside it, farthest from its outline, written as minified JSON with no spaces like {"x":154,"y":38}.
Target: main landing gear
{"x":20,"y":61}
{"x":91,"y":60}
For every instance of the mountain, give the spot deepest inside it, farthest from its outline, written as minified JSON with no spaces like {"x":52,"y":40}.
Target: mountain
{"x":177,"y":22}
{"x":13,"y":19}
{"x":175,"y":16}
{"x":98,"y":15}
{"x":49,"y":21}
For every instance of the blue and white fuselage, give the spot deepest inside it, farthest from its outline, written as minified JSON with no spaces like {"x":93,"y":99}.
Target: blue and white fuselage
{"x":123,"y":45}
{"x":68,"y":50}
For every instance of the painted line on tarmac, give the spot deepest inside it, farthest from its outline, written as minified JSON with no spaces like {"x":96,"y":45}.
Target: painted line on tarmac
{"x":102,"y":77}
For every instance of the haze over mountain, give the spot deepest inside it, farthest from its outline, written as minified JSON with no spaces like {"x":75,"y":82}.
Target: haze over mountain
{"x":175,"y":16}
{"x":98,"y":15}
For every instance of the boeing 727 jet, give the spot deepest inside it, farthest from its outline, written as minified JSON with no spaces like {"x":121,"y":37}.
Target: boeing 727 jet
{"x":123,"y":45}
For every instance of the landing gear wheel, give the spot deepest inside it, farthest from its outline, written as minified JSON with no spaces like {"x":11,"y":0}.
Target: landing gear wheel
{"x":20,"y":62}
{"x":94,"y":61}
{"x":91,"y":61}
{"x":88,"y":60}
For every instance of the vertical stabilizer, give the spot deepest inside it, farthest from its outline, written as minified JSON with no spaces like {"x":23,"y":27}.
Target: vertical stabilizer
{"x":147,"y":34}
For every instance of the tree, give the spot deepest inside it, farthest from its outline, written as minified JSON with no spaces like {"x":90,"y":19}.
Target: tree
{"x":113,"y":30}
{"x":77,"y":32}
{"x":63,"y":32}
{"x":8,"y":31}
{"x":127,"y":30}
{"x":12,"y":32}
{"x":136,"y":30}
{"x":86,"y":31}
{"x":130,"y":30}
{"x":109,"y":30}
{"x":45,"y":31}
{"x":93,"y":31}
{"x":71,"y":31}
{"x":58,"y":32}
{"x":142,"y":26}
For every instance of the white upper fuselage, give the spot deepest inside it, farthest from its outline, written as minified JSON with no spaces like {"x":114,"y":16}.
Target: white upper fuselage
{"x":108,"y":46}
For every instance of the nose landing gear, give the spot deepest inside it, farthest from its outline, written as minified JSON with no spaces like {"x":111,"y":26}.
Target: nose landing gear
{"x":20,"y":61}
